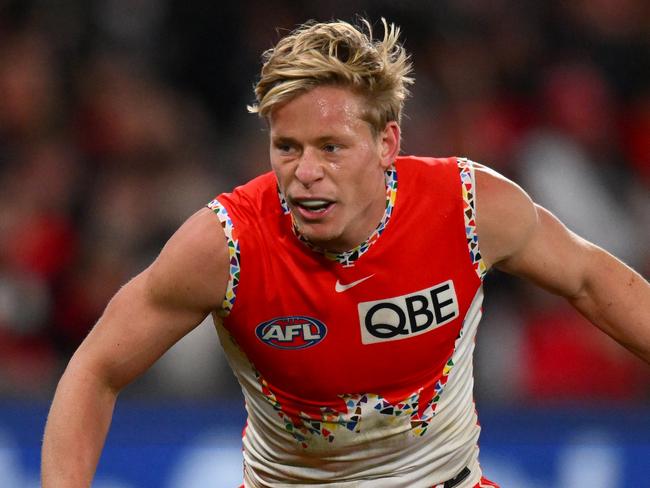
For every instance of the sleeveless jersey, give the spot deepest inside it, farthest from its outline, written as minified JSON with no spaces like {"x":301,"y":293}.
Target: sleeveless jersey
{"x":357,"y":367}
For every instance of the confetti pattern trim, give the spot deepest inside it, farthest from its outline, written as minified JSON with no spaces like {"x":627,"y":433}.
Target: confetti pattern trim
{"x":305,"y":427}
{"x":233,"y":254}
{"x":468,"y":184}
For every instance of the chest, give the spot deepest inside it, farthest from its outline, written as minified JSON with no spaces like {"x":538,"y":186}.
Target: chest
{"x":384,"y":325}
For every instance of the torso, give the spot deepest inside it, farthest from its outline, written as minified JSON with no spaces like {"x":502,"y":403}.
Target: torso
{"x":357,"y":364}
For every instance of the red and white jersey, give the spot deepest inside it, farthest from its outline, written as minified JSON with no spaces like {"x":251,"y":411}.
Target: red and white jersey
{"x":357,"y":367}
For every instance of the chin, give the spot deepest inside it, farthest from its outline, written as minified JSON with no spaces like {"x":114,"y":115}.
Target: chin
{"x":319,"y":239}
{"x":324,"y":240}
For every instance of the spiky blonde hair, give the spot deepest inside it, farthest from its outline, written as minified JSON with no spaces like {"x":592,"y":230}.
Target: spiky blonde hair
{"x":338,"y":53}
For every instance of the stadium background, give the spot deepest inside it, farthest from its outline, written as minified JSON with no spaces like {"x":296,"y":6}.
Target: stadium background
{"x":118,"y":119}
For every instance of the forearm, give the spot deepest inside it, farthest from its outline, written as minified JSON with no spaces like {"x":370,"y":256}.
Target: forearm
{"x":617,"y":300}
{"x":76,"y":429}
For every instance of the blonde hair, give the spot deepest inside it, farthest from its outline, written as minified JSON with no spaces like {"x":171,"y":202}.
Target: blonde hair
{"x":338,"y":53}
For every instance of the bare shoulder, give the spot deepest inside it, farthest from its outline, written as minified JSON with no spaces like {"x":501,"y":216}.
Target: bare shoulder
{"x":160,"y":305}
{"x":522,"y":238}
{"x":192,"y":268}
{"x":506,"y":215}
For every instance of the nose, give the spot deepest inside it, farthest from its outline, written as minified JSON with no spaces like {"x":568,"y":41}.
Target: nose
{"x":309,"y":169}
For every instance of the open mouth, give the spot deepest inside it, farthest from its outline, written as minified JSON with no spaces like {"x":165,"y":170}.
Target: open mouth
{"x":312,"y":208}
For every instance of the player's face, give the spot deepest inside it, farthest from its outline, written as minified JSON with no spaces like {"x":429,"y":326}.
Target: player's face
{"x":330,"y":166}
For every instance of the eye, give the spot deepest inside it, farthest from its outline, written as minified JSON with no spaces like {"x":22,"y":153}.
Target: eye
{"x":284,"y":147}
{"x":331,"y":148}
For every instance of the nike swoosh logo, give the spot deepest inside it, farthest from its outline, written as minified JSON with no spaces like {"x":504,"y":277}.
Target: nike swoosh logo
{"x":339,"y":287}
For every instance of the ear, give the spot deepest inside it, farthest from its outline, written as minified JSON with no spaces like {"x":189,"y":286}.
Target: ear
{"x":389,"y":141}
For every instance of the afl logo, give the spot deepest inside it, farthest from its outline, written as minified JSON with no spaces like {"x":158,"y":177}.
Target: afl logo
{"x":295,"y":332}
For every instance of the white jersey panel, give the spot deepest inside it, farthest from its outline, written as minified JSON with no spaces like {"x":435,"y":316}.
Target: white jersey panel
{"x":382,"y":447}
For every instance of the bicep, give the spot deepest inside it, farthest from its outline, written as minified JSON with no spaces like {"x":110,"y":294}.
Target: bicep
{"x":132,"y":333}
{"x":159,"y":306}
{"x":552,"y":256}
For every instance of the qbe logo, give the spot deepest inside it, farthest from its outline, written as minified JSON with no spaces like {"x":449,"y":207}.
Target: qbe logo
{"x":293,"y":332}
{"x":392,"y":319}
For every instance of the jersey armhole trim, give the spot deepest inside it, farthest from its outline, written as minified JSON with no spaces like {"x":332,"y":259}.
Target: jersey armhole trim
{"x":233,"y":255}
{"x":468,"y":184}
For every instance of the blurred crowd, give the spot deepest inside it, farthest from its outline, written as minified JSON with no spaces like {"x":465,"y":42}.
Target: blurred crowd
{"x":120,"y":118}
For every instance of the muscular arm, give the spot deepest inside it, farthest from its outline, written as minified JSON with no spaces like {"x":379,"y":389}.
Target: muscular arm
{"x":144,"y":319}
{"x":526,"y":240}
